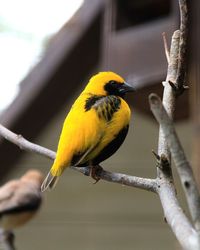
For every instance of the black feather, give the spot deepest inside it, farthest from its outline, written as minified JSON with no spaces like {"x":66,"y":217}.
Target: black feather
{"x":91,"y":101}
{"x":112,"y":147}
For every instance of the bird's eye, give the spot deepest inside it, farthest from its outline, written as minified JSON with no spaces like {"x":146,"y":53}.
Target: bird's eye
{"x":112,"y":82}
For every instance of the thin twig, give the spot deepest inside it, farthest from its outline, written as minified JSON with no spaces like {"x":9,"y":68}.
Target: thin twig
{"x":22,"y":143}
{"x":183,"y":167}
{"x":167,"y":53}
{"x":143,"y":183}
{"x":133,"y":181}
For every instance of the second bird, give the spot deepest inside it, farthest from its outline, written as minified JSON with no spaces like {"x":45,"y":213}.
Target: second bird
{"x":95,"y":127}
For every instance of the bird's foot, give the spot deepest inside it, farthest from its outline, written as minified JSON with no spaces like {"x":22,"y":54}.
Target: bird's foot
{"x":94,"y":172}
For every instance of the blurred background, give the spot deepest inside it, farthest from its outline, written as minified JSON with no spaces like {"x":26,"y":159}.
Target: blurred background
{"x":48,"y":51}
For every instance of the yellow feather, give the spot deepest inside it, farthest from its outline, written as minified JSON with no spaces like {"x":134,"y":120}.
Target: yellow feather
{"x":84,"y":131}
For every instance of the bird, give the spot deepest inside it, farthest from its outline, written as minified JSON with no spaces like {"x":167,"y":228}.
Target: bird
{"x":20,"y":199}
{"x":94,"y":128}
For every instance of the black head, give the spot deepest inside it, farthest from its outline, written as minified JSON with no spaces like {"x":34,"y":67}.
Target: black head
{"x":117,"y":88}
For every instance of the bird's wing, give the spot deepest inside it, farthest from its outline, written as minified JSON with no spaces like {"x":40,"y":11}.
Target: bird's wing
{"x":82,"y":157}
{"x":16,"y":196}
{"x":82,"y":131}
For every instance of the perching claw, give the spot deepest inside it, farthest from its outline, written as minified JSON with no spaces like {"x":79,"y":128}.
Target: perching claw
{"x":94,"y":172}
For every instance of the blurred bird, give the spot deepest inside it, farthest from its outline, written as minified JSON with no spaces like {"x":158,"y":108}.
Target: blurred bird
{"x":95,"y":127}
{"x":20,"y":200}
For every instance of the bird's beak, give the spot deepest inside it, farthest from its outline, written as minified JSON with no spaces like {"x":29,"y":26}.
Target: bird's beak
{"x":126,"y":87}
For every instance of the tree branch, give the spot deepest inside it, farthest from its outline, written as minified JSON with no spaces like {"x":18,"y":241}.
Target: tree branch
{"x":183,"y":167}
{"x":179,"y":223}
{"x":165,"y":174}
{"x":180,"y":78}
{"x":169,"y":94}
{"x":175,"y":217}
{"x":24,"y":144}
{"x":20,"y":141}
{"x":133,"y":181}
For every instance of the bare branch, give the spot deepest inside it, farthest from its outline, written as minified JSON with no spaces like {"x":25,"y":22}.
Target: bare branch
{"x":169,"y":94}
{"x":124,"y":179}
{"x":183,"y":167}
{"x":175,"y":217}
{"x":24,"y":144}
{"x":163,"y":175}
{"x":180,"y":79}
{"x":133,"y":181}
{"x":143,"y":183}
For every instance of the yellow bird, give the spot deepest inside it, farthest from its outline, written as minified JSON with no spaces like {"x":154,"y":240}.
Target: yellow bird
{"x":95,"y":127}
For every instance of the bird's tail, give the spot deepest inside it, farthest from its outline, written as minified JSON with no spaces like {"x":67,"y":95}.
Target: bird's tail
{"x":49,"y":182}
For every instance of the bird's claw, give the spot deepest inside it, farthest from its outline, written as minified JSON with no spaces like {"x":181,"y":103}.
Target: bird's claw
{"x":94,"y":172}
